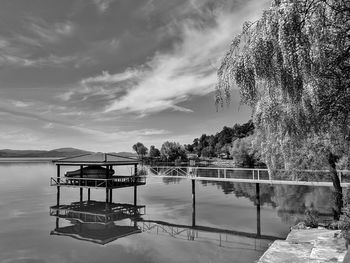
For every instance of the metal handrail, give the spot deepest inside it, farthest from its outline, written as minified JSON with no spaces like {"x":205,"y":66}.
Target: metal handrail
{"x":255,"y":174}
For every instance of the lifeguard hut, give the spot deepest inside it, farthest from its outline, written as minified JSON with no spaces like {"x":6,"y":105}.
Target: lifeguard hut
{"x":91,"y":220}
{"x":96,"y":172}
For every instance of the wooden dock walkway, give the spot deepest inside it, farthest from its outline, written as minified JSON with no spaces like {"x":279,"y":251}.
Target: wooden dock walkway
{"x":248,"y":175}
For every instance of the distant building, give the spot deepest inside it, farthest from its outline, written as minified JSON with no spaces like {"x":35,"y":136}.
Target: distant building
{"x":192,"y":156}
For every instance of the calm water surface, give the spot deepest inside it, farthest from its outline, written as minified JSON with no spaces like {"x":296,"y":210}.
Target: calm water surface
{"x":222,"y":209}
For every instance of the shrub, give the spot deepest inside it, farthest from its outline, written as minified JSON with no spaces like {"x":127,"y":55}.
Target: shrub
{"x":311,"y":218}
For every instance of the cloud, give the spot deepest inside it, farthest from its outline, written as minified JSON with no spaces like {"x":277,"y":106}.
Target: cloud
{"x":30,"y":116}
{"x":170,"y":78}
{"x":31,"y":48}
{"x":17,"y":135}
{"x":49,"y":125}
{"x":21,"y":104}
{"x":102,"y":5}
{"x":50,"y":33}
{"x":26,"y":61}
{"x":105,"y":77}
{"x":119,"y":135}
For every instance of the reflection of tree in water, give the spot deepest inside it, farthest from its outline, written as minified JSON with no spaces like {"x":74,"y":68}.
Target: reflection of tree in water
{"x":246,"y":190}
{"x":173,"y":180}
{"x":291,"y":200}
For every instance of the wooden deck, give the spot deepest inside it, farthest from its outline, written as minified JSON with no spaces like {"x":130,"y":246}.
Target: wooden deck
{"x":246,"y":175}
{"x":111,"y":183}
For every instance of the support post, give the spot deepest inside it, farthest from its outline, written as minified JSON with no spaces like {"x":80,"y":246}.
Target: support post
{"x":257,"y":202}
{"x":110,"y":195}
{"x":135,"y":186}
{"x":58,"y":187}
{"x":107,"y":195}
{"x":193,"y":203}
{"x":89,"y":195}
{"x":80,"y":183}
{"x":57,"y":223}
{"x":107,"y":177}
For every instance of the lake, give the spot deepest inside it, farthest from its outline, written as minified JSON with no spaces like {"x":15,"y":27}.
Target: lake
{"x":226,"y":219}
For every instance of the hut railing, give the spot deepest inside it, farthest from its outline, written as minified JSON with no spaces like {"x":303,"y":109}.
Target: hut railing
{"x":97,"y":182}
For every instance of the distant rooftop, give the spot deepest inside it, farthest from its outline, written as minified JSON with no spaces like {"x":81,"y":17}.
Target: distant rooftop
{"x":98,"y":159}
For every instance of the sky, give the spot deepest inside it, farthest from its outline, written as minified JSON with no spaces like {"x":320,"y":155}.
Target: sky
{"x":101,"y":75}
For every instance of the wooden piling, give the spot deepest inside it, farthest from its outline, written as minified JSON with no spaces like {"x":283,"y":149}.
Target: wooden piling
{"x":135,"y":186}
{"x":58,"y":183}
{"x":258,"y":223}
{"x":110,"y":195}
{"x":193,"y":203}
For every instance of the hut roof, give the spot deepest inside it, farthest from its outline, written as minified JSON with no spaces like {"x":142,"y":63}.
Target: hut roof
{"x":98,"y":159}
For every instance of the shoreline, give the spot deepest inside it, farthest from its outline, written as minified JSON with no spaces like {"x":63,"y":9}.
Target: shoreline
{"x":308,"y":245}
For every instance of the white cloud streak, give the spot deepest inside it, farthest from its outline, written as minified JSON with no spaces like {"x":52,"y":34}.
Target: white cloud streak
{"x":171,"y":78}
{"x":119,"y":135}
{"x":102,"y":5}
{"x":51,"y":33}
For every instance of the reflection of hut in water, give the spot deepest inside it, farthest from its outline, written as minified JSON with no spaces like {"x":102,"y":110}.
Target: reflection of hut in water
{"x":95,"y":222}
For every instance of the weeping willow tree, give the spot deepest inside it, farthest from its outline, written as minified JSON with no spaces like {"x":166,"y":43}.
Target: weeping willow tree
{"x":292,"y":68}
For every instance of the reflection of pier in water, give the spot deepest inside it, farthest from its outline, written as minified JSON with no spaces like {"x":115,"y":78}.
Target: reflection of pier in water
{"x":97,"y":222}
{"x":222,"y":237}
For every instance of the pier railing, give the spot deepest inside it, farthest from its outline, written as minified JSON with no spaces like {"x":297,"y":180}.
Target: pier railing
{"x":306,"y":177}
{"x":116,"y":181}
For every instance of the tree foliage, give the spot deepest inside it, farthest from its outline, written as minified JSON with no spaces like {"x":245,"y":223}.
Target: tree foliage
{"x":154,"y":152}
{"x":221,"y":142}
{"x":172,"y":151}
{"x":140,"y":149}
{"x":292,"y":67}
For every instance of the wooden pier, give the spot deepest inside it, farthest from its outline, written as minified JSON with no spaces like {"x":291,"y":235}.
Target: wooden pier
{"x":248,"y":175}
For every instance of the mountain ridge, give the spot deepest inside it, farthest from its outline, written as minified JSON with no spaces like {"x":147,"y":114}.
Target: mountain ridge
{"x":59,"y":152}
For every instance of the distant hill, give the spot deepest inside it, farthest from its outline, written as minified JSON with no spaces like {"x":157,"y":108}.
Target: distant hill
{"x":61,"y":152}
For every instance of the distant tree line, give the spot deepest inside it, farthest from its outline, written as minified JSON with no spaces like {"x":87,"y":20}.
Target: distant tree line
{"x":230,"y":143}
{"x":220,"y":144}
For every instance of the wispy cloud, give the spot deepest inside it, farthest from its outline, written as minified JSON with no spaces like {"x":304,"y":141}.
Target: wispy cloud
{"x":172,"y":77}
{"x":119,"y":135}
{"x":17,"y":135}
{"x":102,"y":5}
{"x":26,"y":61}
{"x":50,"y":33}
{"x":31,"y":48}
{"x":21,"y":104}
{"x":49,"y":125}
